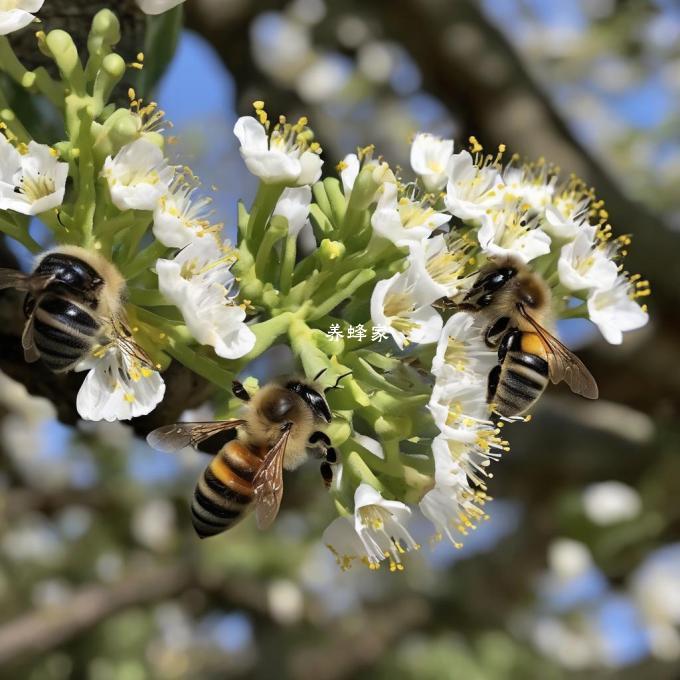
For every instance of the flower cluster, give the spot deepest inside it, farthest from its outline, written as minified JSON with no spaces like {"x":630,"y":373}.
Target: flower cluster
{"x":411,"y":419}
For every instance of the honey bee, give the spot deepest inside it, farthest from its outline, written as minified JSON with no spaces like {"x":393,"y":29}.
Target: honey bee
{"x":280,"y":423}
{"x":74,"y":299}
{"x":515,"y":305}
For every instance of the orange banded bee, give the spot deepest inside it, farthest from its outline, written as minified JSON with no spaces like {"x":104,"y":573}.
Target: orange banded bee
{"x":281,"y":421}
{"x":515,"y":304}
{"x":74,"y":299}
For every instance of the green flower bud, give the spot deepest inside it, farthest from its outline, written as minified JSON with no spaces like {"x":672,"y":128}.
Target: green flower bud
{"x":331,"y":250}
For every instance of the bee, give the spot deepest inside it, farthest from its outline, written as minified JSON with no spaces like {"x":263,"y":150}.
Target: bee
{"x":74,"y":298}
{"x":279,"y":424}
{"x":515,"y":305}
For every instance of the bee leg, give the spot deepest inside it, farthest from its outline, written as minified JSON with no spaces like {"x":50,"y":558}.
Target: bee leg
{"x":239,"y":391}
{"x":337,"y":382}
{"x":327,"y":474}
{"x":492,"y":383}
{"x":494,"y":333}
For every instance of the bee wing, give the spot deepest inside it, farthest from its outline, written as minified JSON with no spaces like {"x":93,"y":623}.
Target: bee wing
{"x":11,"y":278}
{"x":31,"y":353}
{"x":175,"y":437}
{"x":268,"y":484}
{"x":563,"y":364}
{"x":126,"y":343}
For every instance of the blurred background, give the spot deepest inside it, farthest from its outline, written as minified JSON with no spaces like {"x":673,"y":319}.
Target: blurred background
{"x":576,"y":574}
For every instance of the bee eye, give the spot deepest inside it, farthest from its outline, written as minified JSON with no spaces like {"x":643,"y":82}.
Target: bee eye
{"x":279,"y":408}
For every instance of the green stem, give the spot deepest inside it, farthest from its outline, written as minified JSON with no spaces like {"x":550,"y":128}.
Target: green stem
{"x":9,"y":118}
{"x":143,"y":260}
{"x":264,"y":269}
{"x":86,"y":204}
{"x":147,"y":298}
{"x":355,"y":467}
{"x":287,"y":264}
{"x":344,"y":291}
{"x":264,"y":204}
{"x":20,"y":234}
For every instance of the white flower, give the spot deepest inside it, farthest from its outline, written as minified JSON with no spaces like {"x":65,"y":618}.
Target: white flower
{"x":569,"y":559}
{"x":117,"y":387}
{"x":656,"y":590}
{"x":566,"y":216}
{"x":470,"y":190}
{"x":461,"y":350}
{"x":511,"y":232}
{"x":138,"y":176}
{"x":349,"y":168}
{"x":15,"y":14}
{"x":33,"y":182}
{"x":285,"y":156}
{"x":459,"y":409}
{"x":198,"y":282}
{"x":177,"y":220}
{"x":614,"y":311}
{"x":451,"y":505}
{"x":402,"y":220}
{"x":396,"y":308}
{"x":530,"y":187}
{"x":583,"y":265}
{"x":436,"y":267}
{"x":294,"y":206}
{"x":157,"y":6}
{"x":379,"y":531}
{"x":430,"y":157}
{"x":607,"y":503}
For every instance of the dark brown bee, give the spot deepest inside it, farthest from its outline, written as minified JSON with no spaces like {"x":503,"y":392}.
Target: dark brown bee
{"x":73,"y":301}
{"x":280,"y":423}
{"x":515,"y":304}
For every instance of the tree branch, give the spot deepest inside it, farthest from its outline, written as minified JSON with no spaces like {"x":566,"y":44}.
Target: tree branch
{"x":46,"y":627}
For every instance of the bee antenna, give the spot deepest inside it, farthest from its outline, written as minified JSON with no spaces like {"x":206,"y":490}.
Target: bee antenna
{"x":59,"y":219}
{"x":320,"y":373}
{"x":337,"y":382}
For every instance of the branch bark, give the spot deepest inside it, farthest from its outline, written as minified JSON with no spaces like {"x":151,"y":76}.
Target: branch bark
{"x":46,"y":627}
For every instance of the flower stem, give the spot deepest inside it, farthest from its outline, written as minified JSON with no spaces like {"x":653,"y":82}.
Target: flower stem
{"x":344,"y":291}
{"x":287,"y":264}
{"x":143,"y":260}
{"x":265,"y":201}
{"x":20,"y":234}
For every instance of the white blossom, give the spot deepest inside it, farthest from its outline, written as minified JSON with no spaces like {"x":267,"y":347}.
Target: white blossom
{"x":614,"y":311}
{"x":32,"y":182}
{"x":656,"y":590}
{"x":430,"y":156}
{"x":349,"y":170}
{"x":461,"y":352}
{"x":138,"y":176}
{"x":566,"y":216}
{"x":178,"y":219}
{"x":378,"y":531}
{"x":437,"y":267}
{"x":610,"y":502}
{"x":118,"y":386}
{"x":510,"y":232}
{"x":157,"y":6}
{"x":395,"y":306}
{"x":283,"y":156}
{"x":15,"y":14}
{"x":471,"y":190}
{"x":294,"y":206}
{"x":531,"y":188}
{"x":451,"y":505}
{"x":583,"y":265}
{"x":198,"y":281}
{"x":402,"y":220}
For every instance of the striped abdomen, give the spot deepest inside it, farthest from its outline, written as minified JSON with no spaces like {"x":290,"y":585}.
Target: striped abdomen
{"x":224,"y":492}
{"x":522,"y":374}
{"x":64,"y":330}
